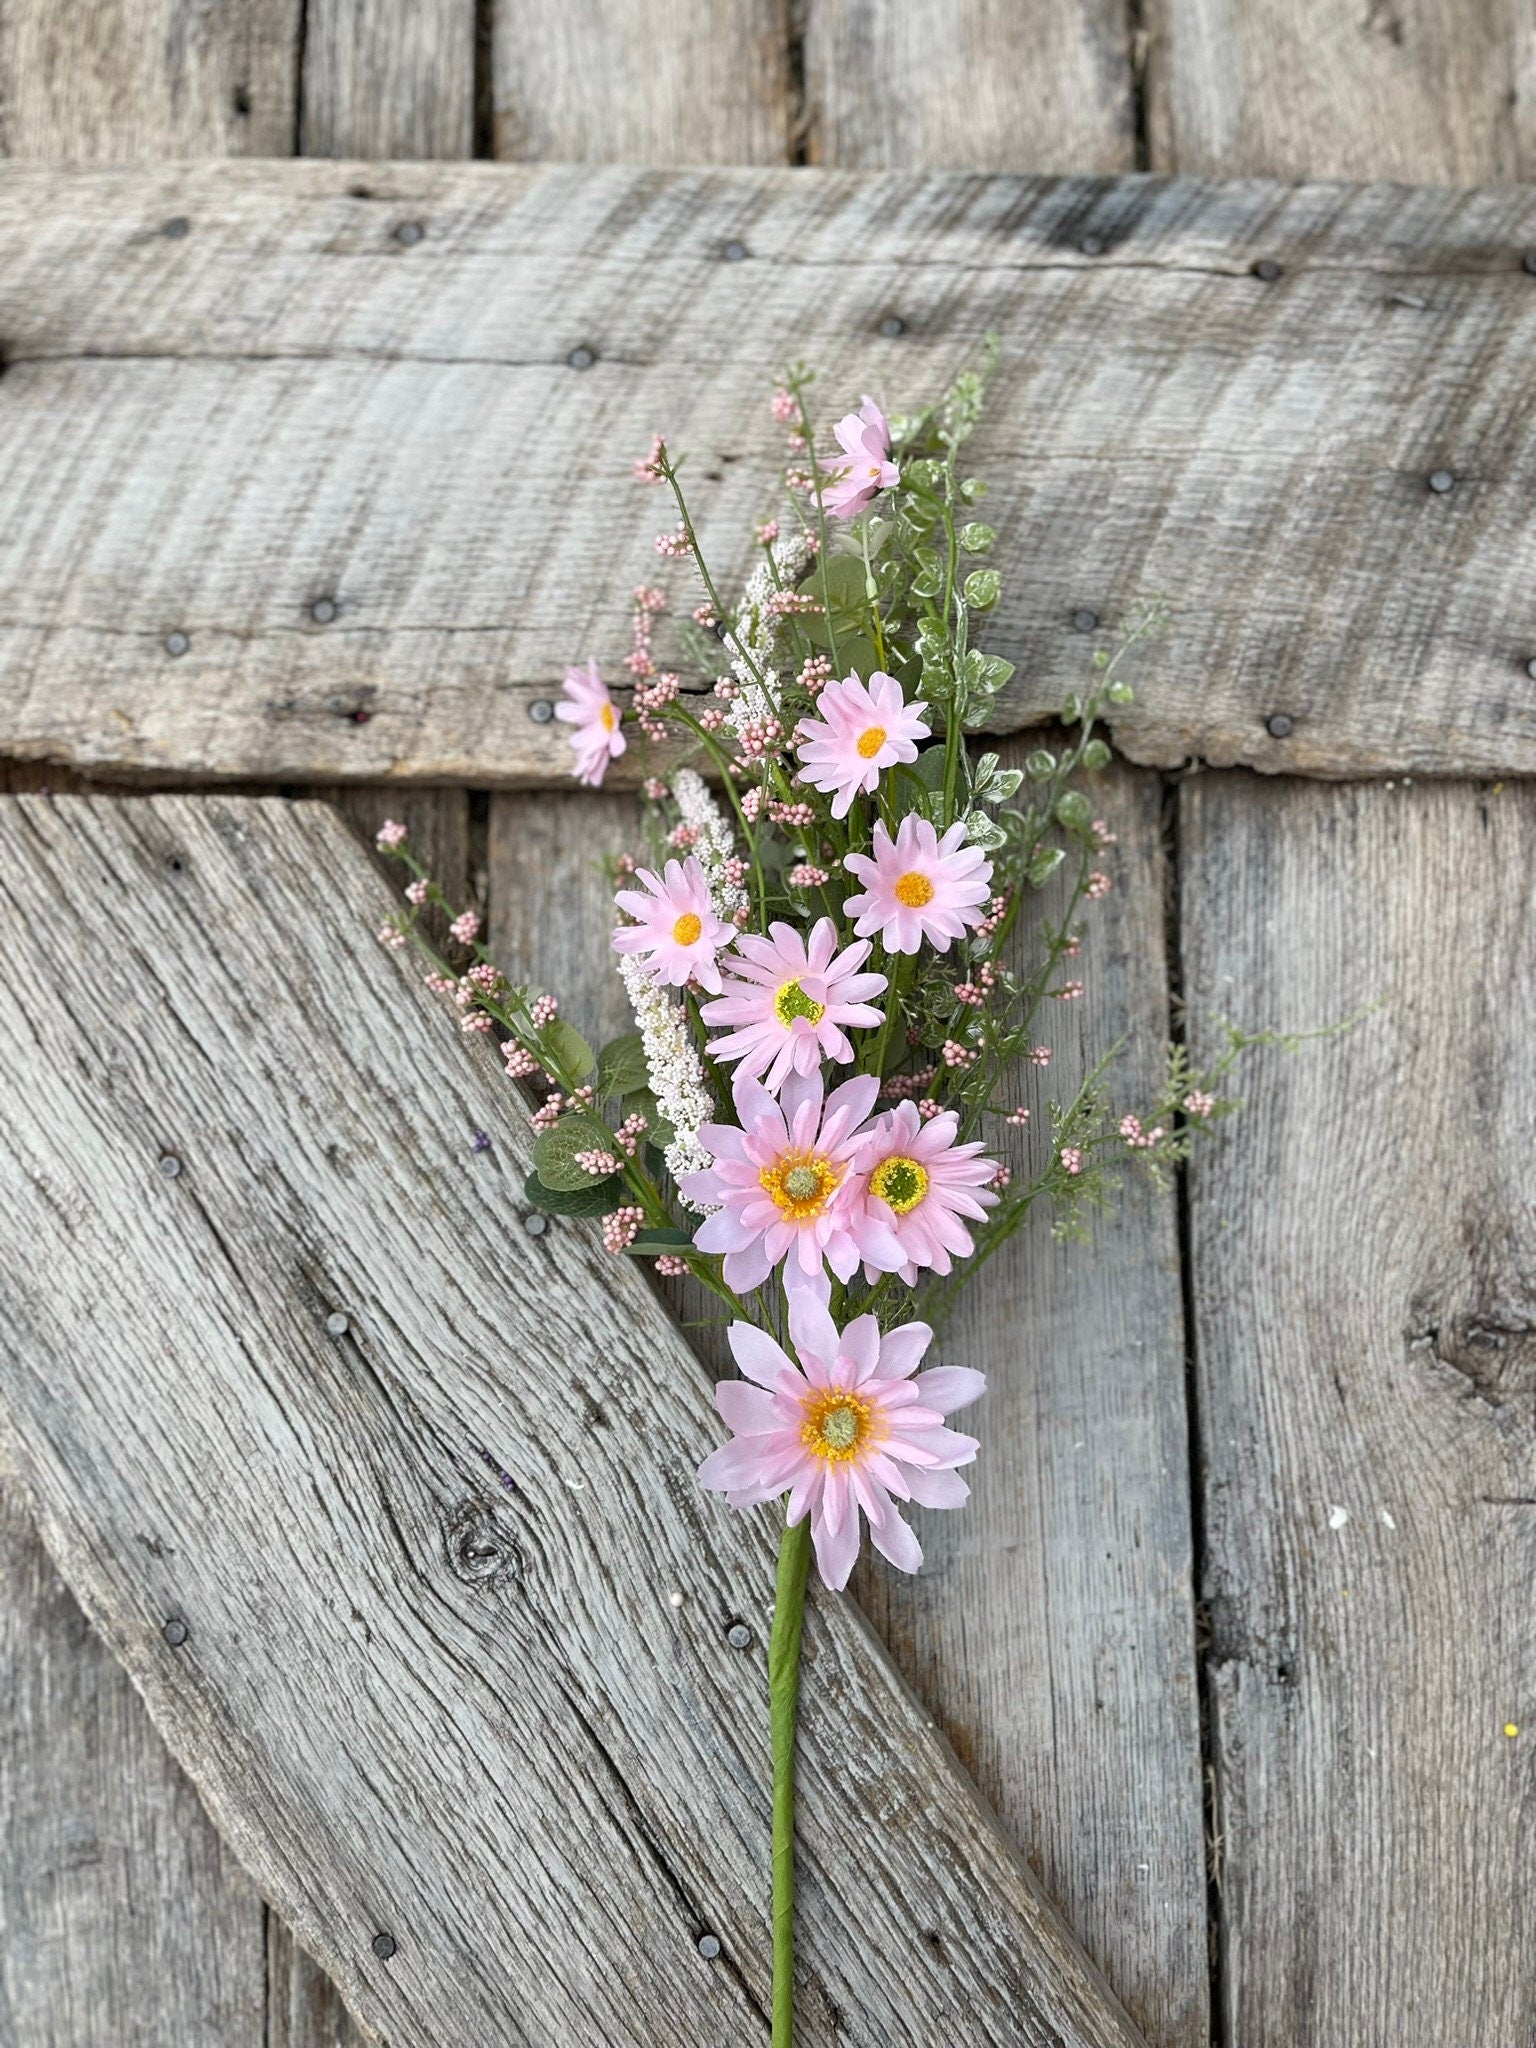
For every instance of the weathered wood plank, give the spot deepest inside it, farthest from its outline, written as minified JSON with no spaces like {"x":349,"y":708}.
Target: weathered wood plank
{"x":304,"y":2008}
{"x":291,"y":407}
{"x":395,"y":80}
{"x":1366,"y":1360}
{"x":123,"y":1917}
{"x":961,"y":85}
{"x":652,"y":81}
{"x":1401,"y":89}
{"x":539,"y":1776}
{"x":118,"y":79}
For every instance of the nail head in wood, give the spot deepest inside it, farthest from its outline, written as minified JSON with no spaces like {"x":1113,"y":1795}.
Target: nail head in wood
{"x":1442,"y":481}
{"x":1266,"y":270}
{"x":409,"y":233}
{"x":582,"y":358}
{"x":541,"y":711}
{"x":175,"y":1631}
{"x":1279,"y":725}
{"x":384,"y":1946}
{"x":739,"y":1636}
{"x":1092,"y":245}
{"x":1085,"y":622}
{"x":177,"y":226}
{"x":709,"y":1946}
{"x":734,"y":252}
{"x":323,"y":610}
{"x":176,"y":643}
{"x":337,"y":1323}
{"x":170,"y":1165}
{"x":535,"y":1223}
{"x":892,"y":326}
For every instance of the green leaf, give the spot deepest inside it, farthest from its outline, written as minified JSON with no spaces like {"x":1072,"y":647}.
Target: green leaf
{"x":1040,"y":765}
{"x":597,"y":1198}
{"x":1096,"y":755}
{"x":976,"y":538}
{"x":621,"y":1068}
{"x":554,"y":1152}
{"x":662,"y":1238}
{"x":1043,"y":866}
{"x":569,"y":1047}
{"x":983,"y":587}
{"x":985,"y":832}
{"x":1073,"y":810}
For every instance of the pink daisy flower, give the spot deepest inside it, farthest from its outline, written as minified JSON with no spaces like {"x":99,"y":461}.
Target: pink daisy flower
{"x":787,"y":1187}
{"x":859,"y":731}
{"x":865,"y":465}
{"x":676,"y":932}
{"x":924,"y":1182}
{"x":589,"y":708}
{"x":845,"y":1425}
{"x":918,"y":887}
{"x":790,"y":998}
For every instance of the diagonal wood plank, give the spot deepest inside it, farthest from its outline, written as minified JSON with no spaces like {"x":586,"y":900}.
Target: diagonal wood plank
{"x":418,"y":1702}
{"x":360,"y":479}
{"x":1365,"y":1306}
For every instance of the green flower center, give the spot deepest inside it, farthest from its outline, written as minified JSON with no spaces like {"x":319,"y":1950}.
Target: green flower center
{"x":792,"y":1002}
{"x":900,"y":1182}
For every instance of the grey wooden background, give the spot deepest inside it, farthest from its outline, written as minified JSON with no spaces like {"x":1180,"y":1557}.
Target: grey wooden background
{"x":1232,"y":1635}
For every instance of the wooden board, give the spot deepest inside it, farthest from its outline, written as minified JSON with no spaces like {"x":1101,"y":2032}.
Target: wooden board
{"x":1366,"y":1361}
{"x":960,"y":85}
{"x":1405,"y":89}
{"x":417,"y":1701}
{"x":649,"y":81}
{"x":388,"y":78}
{"x":291,"y":407}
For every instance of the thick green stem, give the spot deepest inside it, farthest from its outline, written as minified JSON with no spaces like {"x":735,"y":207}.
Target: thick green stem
{"x":783,"y":1700}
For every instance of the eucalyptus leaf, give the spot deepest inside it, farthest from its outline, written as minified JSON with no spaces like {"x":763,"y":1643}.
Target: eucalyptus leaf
{"x":597,"y":1198}
{"x":663,"y":1238}
{"x":621,"y":1068}
{"x":569,"y":1048}
{"x":555,"y":1150}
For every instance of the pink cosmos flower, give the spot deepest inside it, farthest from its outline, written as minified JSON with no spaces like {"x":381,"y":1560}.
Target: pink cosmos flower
{"x":859,"y":731}
{"x":846,"y":1425}
{"x":865,"y":465}
{"x":589,"y":708}
{"x":790,"y":998}
{"x":787,"y":1185}
{"x":676,"y":931}
{"x":919,"y":887}
{"x":923,"y":1181}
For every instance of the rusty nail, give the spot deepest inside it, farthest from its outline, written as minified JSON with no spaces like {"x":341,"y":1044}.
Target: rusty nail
{"x":709,"y":1946}
{"x":892,"y":325}
{"x":1085,"y":622}
{"x":582,"y":358}
{"x":176,"y":643}
{"x":409,"y":232}
{"x":1279,"y":725}
{"x":323,"y":610}
{"x":1266,"y":270}
{"x":1092,"y":245}
{"x":541,"y":711}
{"x":1442,"y":481}
{"x":734,"y":252}
{"x":170,"y":1165}
{"x":175,"y":1631}
{"x":337,"y":1323}
{"x":384,"y":1946}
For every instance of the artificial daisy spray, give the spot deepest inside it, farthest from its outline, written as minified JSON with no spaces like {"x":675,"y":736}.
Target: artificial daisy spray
{"x":839,"y":947}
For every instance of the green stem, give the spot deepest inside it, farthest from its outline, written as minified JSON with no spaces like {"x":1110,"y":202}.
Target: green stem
{"x":783,"y":1701}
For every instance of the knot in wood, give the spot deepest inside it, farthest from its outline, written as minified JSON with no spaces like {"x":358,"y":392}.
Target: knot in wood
{"x":482,"y":1549}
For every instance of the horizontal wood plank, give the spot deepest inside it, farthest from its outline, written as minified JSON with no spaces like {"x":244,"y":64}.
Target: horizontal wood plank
{"x":329,"y":447}
{"x":1365,"y":1308}
{"x":420,"y":1701}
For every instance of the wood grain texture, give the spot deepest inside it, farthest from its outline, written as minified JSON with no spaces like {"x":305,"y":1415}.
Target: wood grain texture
{"x":650,"y":81}
{"x":1405,"y":89}
{"x":304,"y":2008}
{"x":111,"y":80}
{"x":1362,"y":1246}
{"x":123,"y":1918}
{"x":963,"y":85}
{"x":388,"y":78}
{"x":415,"y":1700}
{"x":210,"y":435}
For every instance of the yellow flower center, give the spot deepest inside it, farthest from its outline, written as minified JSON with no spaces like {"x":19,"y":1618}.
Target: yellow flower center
{"x":687,"y":928}
{"x":608,"y":717}
{"x":792,"y":1002}
{"x":871,"y":741}
{"x":837,"y":1425}
{"x":914,"y":890}
{"x":899,"y":1181}
{"x":799,"y":1184}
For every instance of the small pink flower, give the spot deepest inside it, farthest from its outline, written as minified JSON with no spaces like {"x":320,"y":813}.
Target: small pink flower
{"x":1071,"y":1159}
{"x":918,"y":887}
{"x":865,"y":465}
{"x":789,"y":999}
{"x":390,"y":835}
{"x":676,"y":932}
{"x":845,"y":1425}
{"x":923,"y":1181}
{"x":620,"y":1228}
{"x":465,"y":927}
{"x":597,"y":738}
{"x":787,"y":1185}
{"x":1197,"y":1103}
{"x":670,"y":1266}
{"x":859,"y":731}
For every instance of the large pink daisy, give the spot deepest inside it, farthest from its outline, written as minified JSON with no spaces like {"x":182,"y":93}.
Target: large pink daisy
{"x":844,"y":1426}
{"x":859,"y":731}
{"x":789,"y":999}
{"x":589,"y":708}
{"x":787,"y":1185}
{"x":676,"y":932}
{"x":923,"y":1182}
{"x":918,"y":887}
{"x":865,"y":465}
